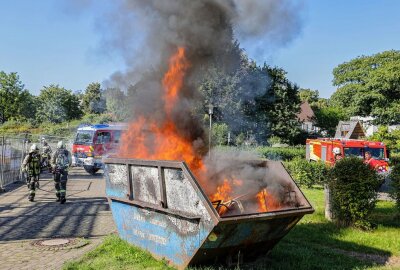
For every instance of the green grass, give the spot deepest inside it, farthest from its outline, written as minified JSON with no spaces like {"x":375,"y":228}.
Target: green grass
{"x":114,"y":254}
{"x":314,"y":243}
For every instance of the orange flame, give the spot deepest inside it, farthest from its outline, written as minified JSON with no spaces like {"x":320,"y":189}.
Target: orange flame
{"x":173,"y":79}
{"x":262,"y":200}
{"x":148,"y":139}
{"x":267,"y":202}
{"x":223,"y":192}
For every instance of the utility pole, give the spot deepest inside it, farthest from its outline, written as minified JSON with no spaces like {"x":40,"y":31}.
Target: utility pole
{"x":210,"y":113}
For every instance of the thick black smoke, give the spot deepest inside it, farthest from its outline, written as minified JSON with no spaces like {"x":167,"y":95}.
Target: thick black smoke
{"x":147,"y":33}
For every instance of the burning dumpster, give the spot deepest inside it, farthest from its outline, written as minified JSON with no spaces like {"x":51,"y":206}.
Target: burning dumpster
{"x":161,"y":206}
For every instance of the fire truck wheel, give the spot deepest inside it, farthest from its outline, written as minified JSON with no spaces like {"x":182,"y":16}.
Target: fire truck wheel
{"x":91,"y":169}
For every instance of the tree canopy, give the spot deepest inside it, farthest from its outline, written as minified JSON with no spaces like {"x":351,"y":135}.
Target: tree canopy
{"x":370,"y":85}
{"x":309,"y":95}
{"x":92,"y":101}
{"x":255,"y":102}
{"x":15,"y":101}
{"x":57,"y":104}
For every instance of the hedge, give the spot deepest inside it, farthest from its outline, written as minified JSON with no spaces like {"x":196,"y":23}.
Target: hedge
{"x":282,"y":153}
{"x":307,"y":173}
{"x":353,"y":187}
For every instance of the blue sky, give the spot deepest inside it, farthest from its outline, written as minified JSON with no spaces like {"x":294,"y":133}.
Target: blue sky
{"x":48,"y":41}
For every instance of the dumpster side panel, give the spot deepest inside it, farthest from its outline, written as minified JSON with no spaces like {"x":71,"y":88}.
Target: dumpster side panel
{"x":173,"y":229}
{"x":116,"y":180}
{"x":182,"y":196}
{"x":146,"y":184}
{"x":157,"y":232}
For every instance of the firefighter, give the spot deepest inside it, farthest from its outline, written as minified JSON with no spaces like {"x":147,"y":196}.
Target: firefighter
{"x":31,"y":166}
{"x":338,"y":153}
{"x":45,"y":154}
{"x":369,"y":160}
{"x":60,"y":162}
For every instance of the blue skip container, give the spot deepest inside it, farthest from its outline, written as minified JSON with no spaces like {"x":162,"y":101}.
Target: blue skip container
{"x":159,"y":206}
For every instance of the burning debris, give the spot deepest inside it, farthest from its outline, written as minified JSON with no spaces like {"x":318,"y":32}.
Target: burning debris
{"x":246,"y":185}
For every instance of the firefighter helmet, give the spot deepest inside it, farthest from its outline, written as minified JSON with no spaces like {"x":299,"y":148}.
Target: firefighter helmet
{"x":34,"y":148}
{"x":336,"y":151}
{"x":60,"y":145}
{"x":44,"y":142}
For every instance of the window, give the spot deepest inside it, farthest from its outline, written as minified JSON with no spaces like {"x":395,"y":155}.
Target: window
{"x":376,"y":153}
{"x":84,"y":137}
{"x":354,"y":152}
{"x":117,"y":136}
{"x":103,"y":137}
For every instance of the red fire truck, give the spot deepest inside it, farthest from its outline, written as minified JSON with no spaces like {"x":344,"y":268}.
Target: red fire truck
{"x":92,"y":142}
{"x":330,"y":150}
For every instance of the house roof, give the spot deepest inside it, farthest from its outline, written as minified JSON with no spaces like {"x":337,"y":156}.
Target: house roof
{"x":306,"y":113}
{"x":349,"y":130}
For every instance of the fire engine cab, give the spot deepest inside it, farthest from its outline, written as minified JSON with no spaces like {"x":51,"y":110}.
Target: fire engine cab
{"x":92,"y":142}
{"x":330,"y":150}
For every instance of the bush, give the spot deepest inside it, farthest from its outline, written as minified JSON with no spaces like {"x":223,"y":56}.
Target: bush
{"x":13,"y":126}
{"x":274,"y":140}
{"x":239,"y":139}
{"x":394,"y":159}
{"x":282,"y":153}
{"x":219,"y":134}
{"x":353,"y":188}
{"x":307,"y":173}
{"x":395,"y":184}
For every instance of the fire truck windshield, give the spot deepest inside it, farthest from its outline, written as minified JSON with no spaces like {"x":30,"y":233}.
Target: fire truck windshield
{"x":84,"y":137}
{"x":377,"y":153}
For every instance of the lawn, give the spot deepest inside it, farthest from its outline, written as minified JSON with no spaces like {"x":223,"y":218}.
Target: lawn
{"x":314,"y":243}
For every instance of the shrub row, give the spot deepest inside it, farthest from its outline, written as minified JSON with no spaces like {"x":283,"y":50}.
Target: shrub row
{"x":282,"y":153}
{"x":307,"y":173}
{"x":66,"y":129}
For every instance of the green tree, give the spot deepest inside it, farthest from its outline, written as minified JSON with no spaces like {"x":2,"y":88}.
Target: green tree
{"x":117,"y":104}
{"x":279,"y":106}
{"x":327,"y":118}
{"x":369,"y":85}
{"x":92,"y":101}
{"x":15,"y":101}
{"x":232,"y":89}
{"x":220,"y":134}
{"x":390,"y":139}
{"x":57,"y":104}
{"x":308,"y":95}
{"x":28,"y":106}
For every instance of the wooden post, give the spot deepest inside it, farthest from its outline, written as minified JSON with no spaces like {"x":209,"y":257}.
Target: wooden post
{"x":328,"y":203}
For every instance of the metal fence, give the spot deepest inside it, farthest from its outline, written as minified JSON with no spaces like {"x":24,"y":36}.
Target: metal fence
{"x":14,"y":147}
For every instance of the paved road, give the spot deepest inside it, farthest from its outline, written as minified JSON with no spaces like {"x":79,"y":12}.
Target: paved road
{"x":86,"y":214}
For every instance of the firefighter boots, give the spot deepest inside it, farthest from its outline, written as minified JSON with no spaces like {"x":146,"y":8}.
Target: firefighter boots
{"x":63,"y":200}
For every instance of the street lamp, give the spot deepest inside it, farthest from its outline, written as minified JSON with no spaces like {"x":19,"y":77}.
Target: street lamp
{"x":210,"y":113}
